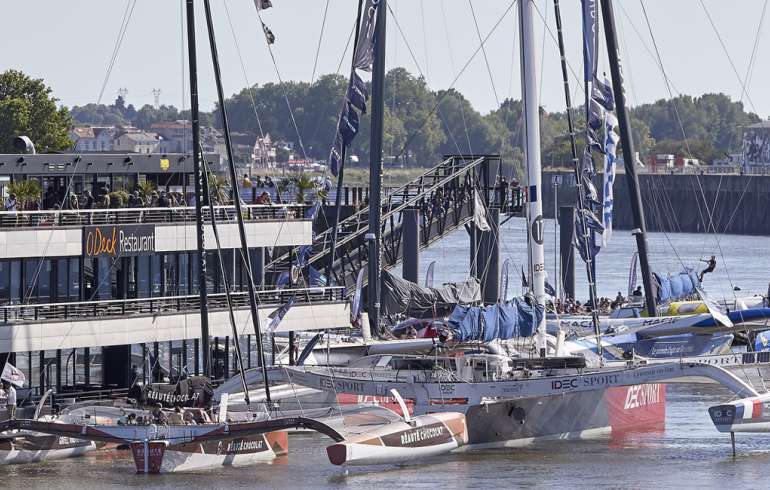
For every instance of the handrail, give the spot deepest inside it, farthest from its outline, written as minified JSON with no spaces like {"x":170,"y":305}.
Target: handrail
{"x":162,"y":305}
{"x":84,"y":217}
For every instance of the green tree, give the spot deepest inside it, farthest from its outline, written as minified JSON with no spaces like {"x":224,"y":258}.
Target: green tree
{"x":28,"y":108}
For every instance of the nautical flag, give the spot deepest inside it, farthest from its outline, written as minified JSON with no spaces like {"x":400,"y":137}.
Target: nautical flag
{"x":312,"y":211}
{"x":429,"y":275}
{"x":348,"y":126}
{"x":276,"y":316}
{"x":610,"y":161}
{"x":549,"y":290}
{"x":363,"y":57}
{"x":595,"y":118}
{"x":13,"y":375}
{"x":524,"y":282}
{"x":357,"y":92}
{"x":601,"y":92}
{"x":479,"y":213}
{"x":335,"y":156}
{"x":269,"y":36}
{"x":590,"y":39}
{"x":283,"y":279}
{"x":592,"y":227}
{"x":504,"y":279}
{"x":303,"y":254}
{"x":355,"y":309}
{"x":263,"y":4}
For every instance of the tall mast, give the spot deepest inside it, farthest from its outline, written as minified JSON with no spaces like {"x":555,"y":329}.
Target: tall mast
{"x":629,"y":155}
{"x":375,"y":168}
{"x":199,"y":195}
{"x":245,"y":257}
{"x":586,"y":237}
{"x":341,"y":173}
{"x":529,"y":98}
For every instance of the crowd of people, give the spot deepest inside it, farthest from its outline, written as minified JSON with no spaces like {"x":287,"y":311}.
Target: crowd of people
{"x":606,"y":305}
{"x":56,"y":200}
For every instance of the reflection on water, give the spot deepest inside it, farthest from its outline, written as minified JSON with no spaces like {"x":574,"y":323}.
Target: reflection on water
{"x":688,"y":453}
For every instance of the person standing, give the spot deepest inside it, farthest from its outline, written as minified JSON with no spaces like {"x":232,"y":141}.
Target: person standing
{"x":10,"y":399}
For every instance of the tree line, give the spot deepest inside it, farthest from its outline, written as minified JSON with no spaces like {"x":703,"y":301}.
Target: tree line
{"x":421,"y":125}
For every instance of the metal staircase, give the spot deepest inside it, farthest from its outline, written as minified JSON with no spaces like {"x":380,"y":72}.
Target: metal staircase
{"x":444,"y":197}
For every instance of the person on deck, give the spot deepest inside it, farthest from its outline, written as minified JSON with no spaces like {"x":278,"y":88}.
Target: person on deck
{"x":158,"y":417}
{"x":711,"y":264}
{"x":10,"y":399}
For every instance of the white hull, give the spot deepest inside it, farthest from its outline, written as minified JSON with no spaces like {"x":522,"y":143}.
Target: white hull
{"x":179,"y":461}
{"x":25,"y":456}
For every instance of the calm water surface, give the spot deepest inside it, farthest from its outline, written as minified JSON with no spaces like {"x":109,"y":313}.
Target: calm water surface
{"x":690,"y":453}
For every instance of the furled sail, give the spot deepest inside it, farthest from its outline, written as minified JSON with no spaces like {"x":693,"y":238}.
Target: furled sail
{"x":400,"y":296}
{"x":505,"y":320}
{"x":676,"y":287}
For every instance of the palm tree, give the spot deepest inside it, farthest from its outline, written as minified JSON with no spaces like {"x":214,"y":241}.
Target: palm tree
{"x":146,"y":189}
{"x":219,"y":189}
{"x":26,"y":192}
{"x":303,"y":183}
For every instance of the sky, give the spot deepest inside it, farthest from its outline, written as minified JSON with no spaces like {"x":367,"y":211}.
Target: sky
{"x":70,"y":44}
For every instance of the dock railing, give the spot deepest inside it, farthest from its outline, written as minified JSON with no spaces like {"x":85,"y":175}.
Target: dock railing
{"x":85,"y":217}
{"x":162,"y":305}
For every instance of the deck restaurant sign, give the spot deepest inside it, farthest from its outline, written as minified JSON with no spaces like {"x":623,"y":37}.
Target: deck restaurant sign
{"x":118,"y":240}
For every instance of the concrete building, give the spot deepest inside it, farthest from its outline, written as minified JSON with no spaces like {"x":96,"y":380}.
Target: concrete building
{"x":134,"y":140}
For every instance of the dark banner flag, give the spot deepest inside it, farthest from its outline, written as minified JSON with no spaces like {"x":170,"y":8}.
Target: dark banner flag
{"x":590,"y":39}
{"x":364,"y":54}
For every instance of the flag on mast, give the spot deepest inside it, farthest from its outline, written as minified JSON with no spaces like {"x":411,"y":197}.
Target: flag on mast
{"x":13,"y":375}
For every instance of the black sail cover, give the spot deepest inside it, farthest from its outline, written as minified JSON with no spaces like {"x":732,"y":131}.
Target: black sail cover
{"x":195,"y":391}
{"x":400,"y":296}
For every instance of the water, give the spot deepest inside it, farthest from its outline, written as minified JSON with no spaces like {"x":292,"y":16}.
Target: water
{"x":689,"y":453}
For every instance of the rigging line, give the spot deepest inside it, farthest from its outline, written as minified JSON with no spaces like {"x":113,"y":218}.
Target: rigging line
{"x":454,"y":81}
{"x":320,"y":41}
{"x":542,"y":54}
{"x":752,"y":60}
{"x":283,"y":89}
{"x":740,"y":199}
{"x":118,"y":42}
{"x":727,"y":53}
{"x":665,"y":78}
{"x":452,"y":66}
{"x":243,"y":70}
{"x":424,"y":36}
{"x":345,"y":51}
{"x":644,"y":43}
{"x":553,"y":38}
{"x":417,"y":65}
{"x":484,"y":52}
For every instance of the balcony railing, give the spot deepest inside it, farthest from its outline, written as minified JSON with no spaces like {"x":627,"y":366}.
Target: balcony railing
{"x":85,"y":217}
{"x":163,"y":305}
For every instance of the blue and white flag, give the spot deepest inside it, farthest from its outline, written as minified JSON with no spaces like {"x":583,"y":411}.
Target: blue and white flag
{"x":349,"y":122}
{"x":363,"y":57}
{"x":504,"y":279}
{"x":610,"y":163}
{"x":276,"y":316}
{"x":429,"y":275}
{"x":590,"y":39}
{"x":357,"y":92}
{"x":355,"y":308}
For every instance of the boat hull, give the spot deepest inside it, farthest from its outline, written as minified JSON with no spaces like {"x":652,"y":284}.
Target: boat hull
{"x":569,"y":416}
{"x":34,"y":448}
{"x":160,"y":457}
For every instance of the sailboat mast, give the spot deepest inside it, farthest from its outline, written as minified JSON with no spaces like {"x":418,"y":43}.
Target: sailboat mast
{"x":629,"y":155}
{"x":199,"y":195}
{"x":375,"y":169}
{"x":529,"y":98}
{"x":245,"y":257}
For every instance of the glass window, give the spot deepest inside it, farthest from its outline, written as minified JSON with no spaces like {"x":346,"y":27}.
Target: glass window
{"x":184,"y":274}
{"x":170,"y":273}
{"x":61,"y":289}
{"x":89,"y":280}
{"x":105,"y":277}
{"x":157,"y":284}
{"x":16,"y":281}
{"x":143,"y":276}
{"x":44,"y":281}
{"x":5,"y":281}
{"x":74,"y":279}
{"x":194,"y":267}
{"x":32,"y":268}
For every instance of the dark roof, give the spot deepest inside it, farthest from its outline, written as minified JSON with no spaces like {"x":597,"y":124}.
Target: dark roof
{"x":102,"y":163}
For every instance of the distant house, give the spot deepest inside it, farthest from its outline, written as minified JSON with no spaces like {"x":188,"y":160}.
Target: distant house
{"x":176,"y":136}
{"x":134,"y":140}
{"x":93,"y":139}
{"x":264,"y":154}
{"x":756,"y":144}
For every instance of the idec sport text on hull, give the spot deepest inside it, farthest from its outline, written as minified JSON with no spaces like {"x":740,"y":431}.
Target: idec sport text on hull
{"x":589,"y":382}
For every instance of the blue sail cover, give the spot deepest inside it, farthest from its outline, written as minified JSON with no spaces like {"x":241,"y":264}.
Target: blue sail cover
{"x":507,"y":320}
{"x":676,"y":287}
